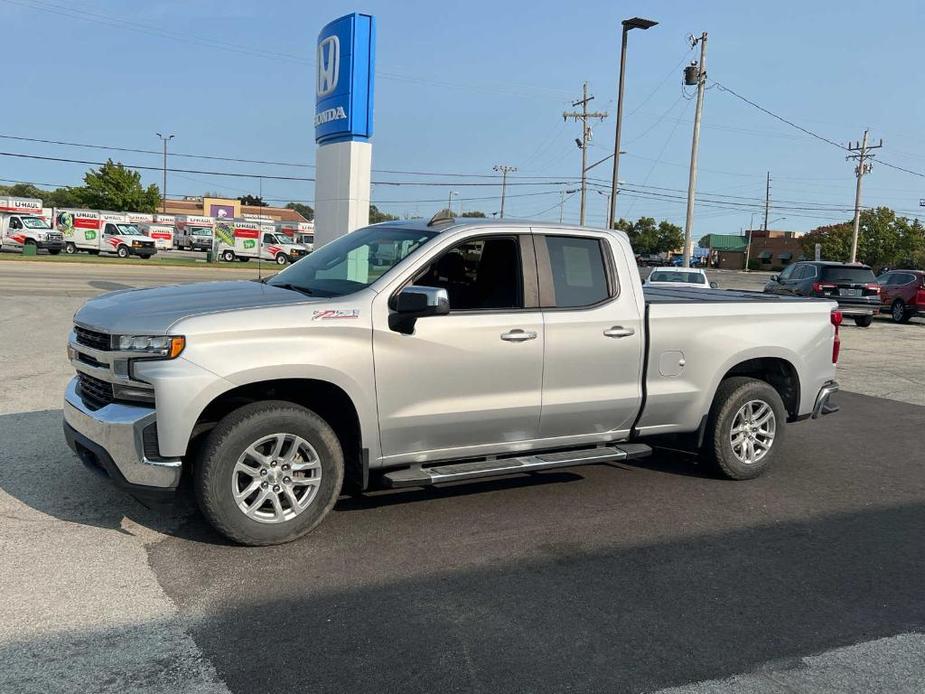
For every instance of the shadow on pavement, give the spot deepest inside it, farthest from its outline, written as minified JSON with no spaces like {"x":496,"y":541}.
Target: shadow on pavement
{"x":618,"y":619}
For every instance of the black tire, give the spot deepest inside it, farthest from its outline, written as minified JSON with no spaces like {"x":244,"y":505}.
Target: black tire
{"x":95,"y":251}
{"x":228,"y":256}
{"x":863,"y":321}
{"x":244,"y":260}
{"x":54,"y":251}
{"x":122,"y":252}
{"x":70,"y":248}
{"x":213,"y":473}
{"x":899,"y":313}
{"x":732,"y":395}
{"x":282,"y":258}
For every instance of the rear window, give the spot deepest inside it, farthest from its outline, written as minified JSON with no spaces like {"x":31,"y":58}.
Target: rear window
{"x":854,"y":275}
{"x":578,"y":272}
{"x":686,"y":277}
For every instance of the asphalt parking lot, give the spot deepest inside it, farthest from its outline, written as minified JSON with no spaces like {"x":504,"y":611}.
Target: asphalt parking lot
{"x":604,"y":578}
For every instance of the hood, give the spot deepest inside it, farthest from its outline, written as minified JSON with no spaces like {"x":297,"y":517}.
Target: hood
{"x":153,"y":311}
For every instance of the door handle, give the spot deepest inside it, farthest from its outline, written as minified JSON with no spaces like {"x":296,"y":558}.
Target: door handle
{"x":619,"y":331}
{"x":518,"y":335}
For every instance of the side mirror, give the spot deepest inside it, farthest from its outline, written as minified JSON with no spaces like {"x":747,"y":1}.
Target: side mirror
{"x":775,"y":278}
{"x":714,"y":285}
{"x":415,"y":302}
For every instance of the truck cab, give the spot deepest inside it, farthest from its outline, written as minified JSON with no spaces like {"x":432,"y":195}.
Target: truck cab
{"x":22,"y":224}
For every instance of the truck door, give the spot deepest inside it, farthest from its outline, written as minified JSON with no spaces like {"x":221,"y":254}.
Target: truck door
{"x":592,"y":372}
{"x":14,"y":234}
{"x":465,"y":383}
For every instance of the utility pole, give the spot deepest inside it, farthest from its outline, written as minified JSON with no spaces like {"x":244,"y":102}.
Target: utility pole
{"x":165,"y":139}
{"x":694,"y":74}
{"x":584,"y":116}
{"x":449,"y":201}
{"x":748,"y":245}
{"x":504,"y":170}
{"x":562,"y":202}
{"x":862,"y":149}
{"x":767,"y":200}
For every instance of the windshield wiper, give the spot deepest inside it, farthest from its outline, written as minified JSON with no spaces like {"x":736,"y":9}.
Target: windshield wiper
{"x":293,"y":287}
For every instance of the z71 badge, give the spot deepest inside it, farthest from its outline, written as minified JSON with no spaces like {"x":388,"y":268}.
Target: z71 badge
{"x":336,"y":314}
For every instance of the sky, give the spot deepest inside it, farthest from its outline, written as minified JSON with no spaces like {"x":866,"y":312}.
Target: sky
{"x":464,"y":85}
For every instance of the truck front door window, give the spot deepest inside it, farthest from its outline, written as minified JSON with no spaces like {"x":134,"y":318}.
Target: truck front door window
{"x":15,"y":223}
{"x":479,"y":274}
{"x":111,"y":230}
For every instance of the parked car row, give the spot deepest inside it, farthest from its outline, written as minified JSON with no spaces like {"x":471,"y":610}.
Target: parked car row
{"x":860,"y":294}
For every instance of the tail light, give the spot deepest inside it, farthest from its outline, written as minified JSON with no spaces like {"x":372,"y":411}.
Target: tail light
{"x":836,"y":318}
{"x":920,"y":297}
{"x":873,"y":287}
{"x":821,"y":287}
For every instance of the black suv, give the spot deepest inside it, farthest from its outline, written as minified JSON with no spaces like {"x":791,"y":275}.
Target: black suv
{"x":853,"y":286}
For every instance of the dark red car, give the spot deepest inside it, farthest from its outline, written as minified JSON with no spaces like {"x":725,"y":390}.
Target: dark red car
{"x":902,"y":294}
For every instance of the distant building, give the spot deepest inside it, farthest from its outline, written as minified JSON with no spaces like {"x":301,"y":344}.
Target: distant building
{"x":229,"y":207}
{"x":770,"y":250}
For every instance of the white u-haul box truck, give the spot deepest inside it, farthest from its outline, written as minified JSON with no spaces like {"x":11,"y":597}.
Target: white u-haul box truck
{"x":243,"y":239}
{"x":124,"y":238}
{"x":22,"y":224}
{"x":161,"y":231}
{"x":81,"y":229}
{"x":193,"y":232}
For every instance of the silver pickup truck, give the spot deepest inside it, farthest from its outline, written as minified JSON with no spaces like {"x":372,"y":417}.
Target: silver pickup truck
{"x":419,"y":353}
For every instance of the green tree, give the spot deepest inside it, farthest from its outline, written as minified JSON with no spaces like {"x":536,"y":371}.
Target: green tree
{"x":305,"y":210}
{"x":376,"y":216}
{"x":252,"y":201}
{"x":648,"y":237}
{"x":883,"y":239}
{"x":473,"y":213}
{"x":114,"y":187}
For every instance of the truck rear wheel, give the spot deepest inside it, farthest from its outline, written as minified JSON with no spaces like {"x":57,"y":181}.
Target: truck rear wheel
{"x":228,"y":256}
{"x":54,"y":251}
{"x":745,"y":428}
{"x":863,"y":321}
{"x":269,"y":473}
{"x":70,"y":248}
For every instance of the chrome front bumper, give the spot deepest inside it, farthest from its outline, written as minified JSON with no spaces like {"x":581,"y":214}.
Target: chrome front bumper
{"x":111,"y":439}
{"x":823,"y":405}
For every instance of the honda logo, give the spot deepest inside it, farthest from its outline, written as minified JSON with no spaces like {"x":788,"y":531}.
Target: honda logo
{"x":328,"y":64}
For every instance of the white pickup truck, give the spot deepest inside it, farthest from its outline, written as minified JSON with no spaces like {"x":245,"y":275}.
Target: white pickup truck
{"x":413,"y":353}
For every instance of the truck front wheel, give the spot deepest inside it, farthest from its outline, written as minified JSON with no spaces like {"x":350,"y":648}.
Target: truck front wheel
{"x":745,"y":428}
{"x":122,"y":252}
{"x":282,"y":258}
{"x":269,"y":473}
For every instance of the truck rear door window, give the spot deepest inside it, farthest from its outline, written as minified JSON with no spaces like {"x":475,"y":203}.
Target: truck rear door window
{"x":579,"y":273}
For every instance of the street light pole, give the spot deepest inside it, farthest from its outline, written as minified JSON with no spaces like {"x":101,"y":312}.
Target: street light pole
{"x":449,"y":200}
{"x":634,"y":23}
{"x":165,"y":139}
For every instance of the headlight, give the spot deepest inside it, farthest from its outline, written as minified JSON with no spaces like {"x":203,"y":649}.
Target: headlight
{"x":136,"y":244}
{"x":163,"y":346}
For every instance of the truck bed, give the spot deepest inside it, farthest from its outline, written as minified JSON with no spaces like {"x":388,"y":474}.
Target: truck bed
{"x":688,"y":295}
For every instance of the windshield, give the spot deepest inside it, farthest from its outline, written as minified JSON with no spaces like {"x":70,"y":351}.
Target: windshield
{"x":200,"y":231}
{"x":282,"y":238}
{"x":34,"y":223}
{"x":353,"y":261}
{"x":853,"y":275}
{"x":688,"y":277}
{"x":128,"y":230}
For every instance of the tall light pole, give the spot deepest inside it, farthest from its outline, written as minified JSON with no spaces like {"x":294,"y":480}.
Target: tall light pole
{"x":694,"y":74}
{"x":628,"y":24}
{"x":449,"y":200}
{"x":165,"y":139}
{"x":504,"y":170}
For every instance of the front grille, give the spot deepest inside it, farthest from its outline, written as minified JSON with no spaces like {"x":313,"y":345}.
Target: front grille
{"x":91,"y":338}
{"x":94,"y":392}
{"x":149,"y":441}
